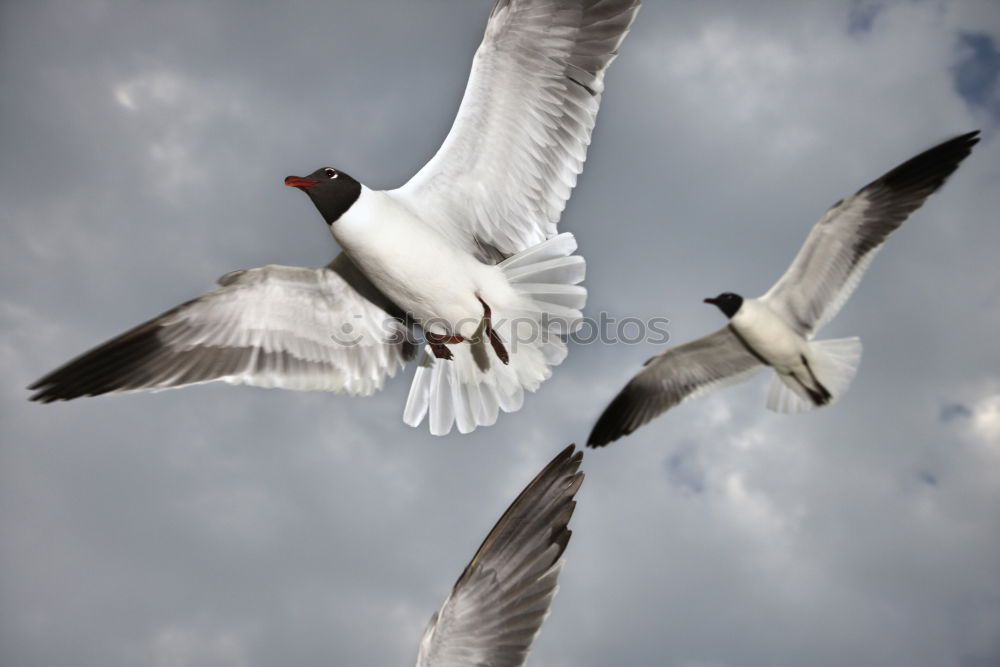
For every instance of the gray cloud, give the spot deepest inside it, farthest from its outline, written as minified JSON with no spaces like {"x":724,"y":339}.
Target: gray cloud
{"x":953,"y":411}
{"x":978,"y":71}
{"x":144,"y":146}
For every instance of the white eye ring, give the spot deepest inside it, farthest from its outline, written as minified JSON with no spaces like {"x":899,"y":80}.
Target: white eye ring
{"x":331,"y":173}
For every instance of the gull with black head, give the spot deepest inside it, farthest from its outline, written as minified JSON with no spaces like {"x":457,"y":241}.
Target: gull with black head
{"x":776,"y":329}
{"x":467,"y":250}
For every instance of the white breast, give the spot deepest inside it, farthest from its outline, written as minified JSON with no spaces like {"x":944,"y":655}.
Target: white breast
{"x":768,"y":335}
{"x":416,"y":267}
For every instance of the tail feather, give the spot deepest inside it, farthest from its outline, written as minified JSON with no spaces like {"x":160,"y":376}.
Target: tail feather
{"x":441,"y":415}
{"x":834,"y":364}
{"x":562,"y":245}
{"x":547,"y":307}
{"x":556,"y":270}
{"x":569,"y":296}
{"x":418,"y":401}
{"x":785,"y":397}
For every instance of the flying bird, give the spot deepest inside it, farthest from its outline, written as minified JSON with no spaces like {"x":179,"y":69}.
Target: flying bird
{"x":776,"y":329}
{"x":467,"y":250}
{"x":497,"y":606}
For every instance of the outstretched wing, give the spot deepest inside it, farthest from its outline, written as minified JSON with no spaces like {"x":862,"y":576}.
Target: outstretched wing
{"x":710,"y":362}
{"x":502,"y":176}
{"x":842,"y":244}
{"x":498,"y":604}
{"x":323,"y":329}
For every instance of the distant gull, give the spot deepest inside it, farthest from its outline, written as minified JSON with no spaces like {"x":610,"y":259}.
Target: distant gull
{"x":467,"y":249}
{"x":497,"y":606}
{"x":776,"y":329}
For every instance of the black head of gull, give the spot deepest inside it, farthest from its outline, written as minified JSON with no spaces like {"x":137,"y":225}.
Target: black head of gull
{"x":331,"y":190}
{"x":727,"y":302}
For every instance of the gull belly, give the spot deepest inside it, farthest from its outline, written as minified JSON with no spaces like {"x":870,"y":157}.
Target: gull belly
{"x":419,"y":269}
{"x":769,"y":337}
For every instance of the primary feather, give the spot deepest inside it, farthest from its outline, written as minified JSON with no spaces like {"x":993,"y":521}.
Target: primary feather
{"x":497,"y":606}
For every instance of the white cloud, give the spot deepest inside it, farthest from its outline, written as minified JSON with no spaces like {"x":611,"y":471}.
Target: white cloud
{"x":986,"y":421}
{"x":174,"y":116}
{"x":181,"y":647}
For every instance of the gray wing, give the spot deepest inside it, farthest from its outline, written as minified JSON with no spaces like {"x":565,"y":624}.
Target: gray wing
{"x":842,"y":244}
{"x":503,"y":174}
{"x":323,"y":329}
{"x":498,"y":604}
{"x":710,"y":362}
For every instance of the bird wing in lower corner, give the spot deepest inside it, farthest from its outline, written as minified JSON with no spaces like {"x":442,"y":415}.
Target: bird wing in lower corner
{"x":497,"y":606}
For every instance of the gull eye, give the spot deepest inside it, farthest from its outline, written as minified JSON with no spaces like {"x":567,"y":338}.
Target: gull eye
{"x":330,"y":173}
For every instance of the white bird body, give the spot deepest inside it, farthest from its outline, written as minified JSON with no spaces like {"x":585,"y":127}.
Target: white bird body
{"x":419,"y":269}
{"x":776,"y":342}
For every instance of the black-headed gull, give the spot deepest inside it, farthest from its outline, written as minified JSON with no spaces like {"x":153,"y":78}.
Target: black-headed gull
{"x":467,"y":248}
{"x":776,"y":329}
{"x":497,"y":606}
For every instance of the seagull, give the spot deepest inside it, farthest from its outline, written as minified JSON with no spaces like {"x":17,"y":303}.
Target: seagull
{"x":467,"y":251}
{"x":776,"y":329}
{"x":497,"y":606}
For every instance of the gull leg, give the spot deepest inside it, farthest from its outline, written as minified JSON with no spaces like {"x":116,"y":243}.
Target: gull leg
{"x":439,"y":344}
{"x":821,"y":395}
{"x":495,"y":341}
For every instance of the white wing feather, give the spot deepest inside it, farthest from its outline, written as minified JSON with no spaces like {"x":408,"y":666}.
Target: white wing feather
{"x":273,"y":326}
{"x":843,"y":243}
{"x":502,"y":176}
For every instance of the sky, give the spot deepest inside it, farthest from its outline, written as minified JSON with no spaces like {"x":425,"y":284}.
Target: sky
{"x":143,"y":150}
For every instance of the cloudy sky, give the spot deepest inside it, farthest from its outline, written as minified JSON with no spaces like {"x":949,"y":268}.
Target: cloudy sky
{"x":143,"y":148}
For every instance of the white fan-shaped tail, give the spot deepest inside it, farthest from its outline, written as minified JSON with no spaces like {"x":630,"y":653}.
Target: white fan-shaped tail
{"x":784,"y":396}
{"x":834,"y":362}
{"x":533,"y":327}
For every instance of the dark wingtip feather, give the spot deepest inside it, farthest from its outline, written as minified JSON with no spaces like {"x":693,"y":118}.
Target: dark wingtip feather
{"x":101,"y":370}
{"x":929,"y":170}
{"x":563,"y":539}
{"x":619,"y":419}
{"x":558,"y":481}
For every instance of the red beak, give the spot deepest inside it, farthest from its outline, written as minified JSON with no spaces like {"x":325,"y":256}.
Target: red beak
{"x":300,"y":183}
